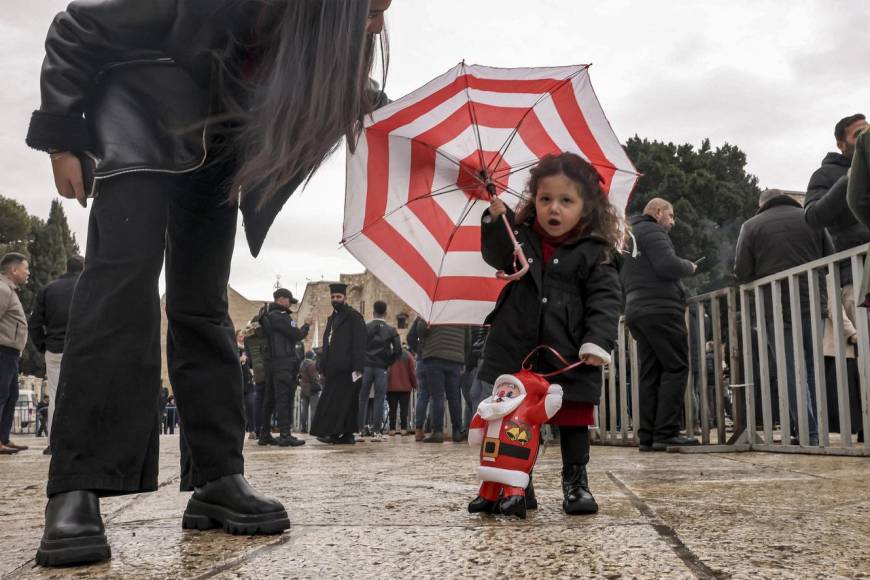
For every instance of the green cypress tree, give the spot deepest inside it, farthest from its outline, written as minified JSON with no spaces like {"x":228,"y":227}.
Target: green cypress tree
{"x":712,"y":195}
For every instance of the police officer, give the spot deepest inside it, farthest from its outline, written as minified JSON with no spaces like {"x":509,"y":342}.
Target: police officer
{"x":282,"y":366}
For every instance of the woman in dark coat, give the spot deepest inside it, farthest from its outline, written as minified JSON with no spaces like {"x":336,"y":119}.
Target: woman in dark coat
{"x":172,"y":114}
{"x":569,"y":300}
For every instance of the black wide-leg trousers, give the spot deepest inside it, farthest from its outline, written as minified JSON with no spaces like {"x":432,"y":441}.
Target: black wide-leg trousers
{"x":105,"y":433}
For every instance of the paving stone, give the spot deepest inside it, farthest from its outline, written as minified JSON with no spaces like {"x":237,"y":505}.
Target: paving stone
{"x":397,"y":508}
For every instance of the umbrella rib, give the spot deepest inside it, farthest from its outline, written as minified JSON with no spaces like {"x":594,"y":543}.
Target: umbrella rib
{"x":473,"y":118}
{"x":557,"y":86}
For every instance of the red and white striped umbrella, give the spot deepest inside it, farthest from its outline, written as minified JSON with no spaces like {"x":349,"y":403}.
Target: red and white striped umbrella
{"x":417,"y":180}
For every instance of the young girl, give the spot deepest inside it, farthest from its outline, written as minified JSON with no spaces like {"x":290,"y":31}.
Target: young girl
{"x":569,"y":300}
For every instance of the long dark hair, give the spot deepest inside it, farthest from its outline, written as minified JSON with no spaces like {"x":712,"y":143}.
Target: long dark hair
{"x":599,"y":217}
{"x":310,"y":88}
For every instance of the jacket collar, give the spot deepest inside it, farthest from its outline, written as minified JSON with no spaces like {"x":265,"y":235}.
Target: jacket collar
{"x":837,"y":158}
{"x":8,"y":282}
{"x":634,"y":220}
{"x":776,"y":201}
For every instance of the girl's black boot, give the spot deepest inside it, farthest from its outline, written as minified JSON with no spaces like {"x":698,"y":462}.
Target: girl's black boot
{"x":575,"y":487}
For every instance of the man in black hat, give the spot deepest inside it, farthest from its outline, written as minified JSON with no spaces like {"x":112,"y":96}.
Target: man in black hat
{"x":342,"y":363}
{"x":282,"y":366}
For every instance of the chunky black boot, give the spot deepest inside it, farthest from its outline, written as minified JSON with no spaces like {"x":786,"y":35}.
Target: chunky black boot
{"x":575,"y":487}
{"x":232,"y":504}
{"x":74,"y":532}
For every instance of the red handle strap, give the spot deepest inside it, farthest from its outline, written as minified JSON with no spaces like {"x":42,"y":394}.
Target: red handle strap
{"x":527,"y":366}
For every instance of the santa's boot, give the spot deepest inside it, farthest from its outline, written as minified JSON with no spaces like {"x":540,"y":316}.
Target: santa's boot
{"x":487,"y":500}
{"x":531,"y":500}
{"x":513,"y":503}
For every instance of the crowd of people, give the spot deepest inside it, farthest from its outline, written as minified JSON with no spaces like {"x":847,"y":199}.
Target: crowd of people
{"x":439,"y":363}
{"x":784,"y":235}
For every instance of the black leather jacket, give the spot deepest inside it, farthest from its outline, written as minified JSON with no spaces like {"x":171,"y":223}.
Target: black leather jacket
{"x":132,"y":82}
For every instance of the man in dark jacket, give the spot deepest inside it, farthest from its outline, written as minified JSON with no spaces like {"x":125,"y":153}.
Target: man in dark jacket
{"x":342,"y":363}
{"x":655,"y":303}
{"x":775,"y":239}
{"x":444,"y":356}
{"x":825,"y":206}
{"x":48,"y":325}
{"x":282,"y":366}
{"x":383,"y":348}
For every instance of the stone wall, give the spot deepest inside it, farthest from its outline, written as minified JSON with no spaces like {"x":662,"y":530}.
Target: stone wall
{"x":363,"y":290}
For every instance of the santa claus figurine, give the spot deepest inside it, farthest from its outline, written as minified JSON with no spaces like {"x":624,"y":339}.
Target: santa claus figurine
{"x":507,"y":426}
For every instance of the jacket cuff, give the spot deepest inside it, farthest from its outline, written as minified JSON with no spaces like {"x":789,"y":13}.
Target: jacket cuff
{"x":594,"y":349}
{"x":60,"y":132}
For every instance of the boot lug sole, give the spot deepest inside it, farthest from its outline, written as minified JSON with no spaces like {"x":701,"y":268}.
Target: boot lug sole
{"x":200,"y":515}
{"x":72,"y":551}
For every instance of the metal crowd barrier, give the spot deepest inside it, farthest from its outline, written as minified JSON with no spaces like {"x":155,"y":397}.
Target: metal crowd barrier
{"x":737,"y":393}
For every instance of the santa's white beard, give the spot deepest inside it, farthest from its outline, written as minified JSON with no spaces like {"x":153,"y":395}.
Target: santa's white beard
{"x":489,"y":409}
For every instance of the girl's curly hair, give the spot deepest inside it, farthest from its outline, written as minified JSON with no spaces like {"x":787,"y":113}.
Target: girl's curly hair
{"x":599,"y":217}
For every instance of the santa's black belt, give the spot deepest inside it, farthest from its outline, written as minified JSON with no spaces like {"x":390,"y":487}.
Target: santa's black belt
{"x":493,"y":447}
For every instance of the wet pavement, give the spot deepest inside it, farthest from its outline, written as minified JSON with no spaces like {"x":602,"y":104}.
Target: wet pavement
{"x":397,"y":508}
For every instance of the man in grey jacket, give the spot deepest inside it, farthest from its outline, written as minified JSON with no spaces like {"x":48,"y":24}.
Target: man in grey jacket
{"x":14,"y":271}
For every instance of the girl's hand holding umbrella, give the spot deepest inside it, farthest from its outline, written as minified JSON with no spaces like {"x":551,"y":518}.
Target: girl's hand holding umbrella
{"x":497,"y":207}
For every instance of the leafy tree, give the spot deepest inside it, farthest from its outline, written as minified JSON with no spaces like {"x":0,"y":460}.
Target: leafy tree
{"x":712,"y":196}
{"x":14,"y":226}
{"x":48,"y":245}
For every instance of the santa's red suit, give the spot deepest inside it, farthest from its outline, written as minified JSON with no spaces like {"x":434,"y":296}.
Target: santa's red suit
{"x":507,"y":426}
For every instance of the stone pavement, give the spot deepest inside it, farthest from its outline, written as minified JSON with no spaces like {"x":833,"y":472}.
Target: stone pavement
{"x":398,"y":509}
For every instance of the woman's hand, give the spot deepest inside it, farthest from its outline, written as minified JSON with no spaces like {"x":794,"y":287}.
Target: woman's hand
{"x":591,"y":359}
{"x":497,"y":207}
{"x":68,"y":176}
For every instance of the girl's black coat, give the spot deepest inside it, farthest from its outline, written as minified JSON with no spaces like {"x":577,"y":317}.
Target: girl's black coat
{"x":575,"y":300}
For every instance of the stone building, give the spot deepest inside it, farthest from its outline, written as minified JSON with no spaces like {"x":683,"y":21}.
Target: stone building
{"x":363,"y":290}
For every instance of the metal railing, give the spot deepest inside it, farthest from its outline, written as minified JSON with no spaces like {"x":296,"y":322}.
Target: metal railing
{"x":759,"y":375}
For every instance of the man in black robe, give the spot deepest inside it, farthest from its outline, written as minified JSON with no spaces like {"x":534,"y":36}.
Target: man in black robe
{"x":342,"y":364}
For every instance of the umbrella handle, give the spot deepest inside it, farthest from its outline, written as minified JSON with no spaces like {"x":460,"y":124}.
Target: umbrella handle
{"x":519,"y":255}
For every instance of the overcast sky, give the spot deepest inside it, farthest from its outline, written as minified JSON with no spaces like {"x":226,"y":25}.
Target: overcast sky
{"x":769,"y":76}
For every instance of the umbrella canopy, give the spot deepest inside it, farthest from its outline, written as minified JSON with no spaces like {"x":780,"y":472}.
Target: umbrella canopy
{"x":418,"y":179}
